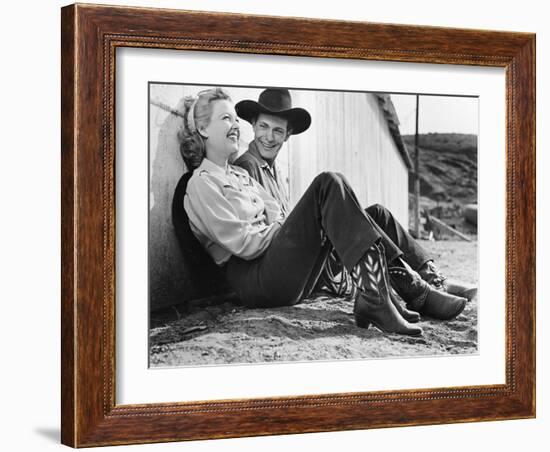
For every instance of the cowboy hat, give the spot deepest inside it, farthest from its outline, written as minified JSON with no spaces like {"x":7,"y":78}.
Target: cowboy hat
{"x":275,"y":101}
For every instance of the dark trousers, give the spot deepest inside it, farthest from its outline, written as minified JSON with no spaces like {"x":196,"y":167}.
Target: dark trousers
{"x":327,"y":216}
{"x":396,"y":239}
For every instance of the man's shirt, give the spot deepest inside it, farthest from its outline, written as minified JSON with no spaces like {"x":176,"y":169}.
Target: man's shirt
{"x":269,"y":177}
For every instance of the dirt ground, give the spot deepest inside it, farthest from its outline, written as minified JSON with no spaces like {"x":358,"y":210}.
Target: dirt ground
{"x":319,"y":328}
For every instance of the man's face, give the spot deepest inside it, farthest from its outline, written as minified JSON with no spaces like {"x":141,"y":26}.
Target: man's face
{"x":270,"y":132}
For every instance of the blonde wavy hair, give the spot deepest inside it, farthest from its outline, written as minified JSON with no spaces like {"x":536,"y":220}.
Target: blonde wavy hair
{"x":192,"y":146}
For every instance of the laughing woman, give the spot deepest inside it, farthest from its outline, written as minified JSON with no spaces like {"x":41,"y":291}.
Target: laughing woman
{"x":270,"y":262}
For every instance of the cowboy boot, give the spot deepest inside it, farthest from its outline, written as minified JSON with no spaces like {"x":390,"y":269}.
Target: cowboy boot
{"x":398,"y":302}
{"x":373,"y":304}
{"x":423,"y":298}
{"x":433,"y":276}
{"x":335,"y":278}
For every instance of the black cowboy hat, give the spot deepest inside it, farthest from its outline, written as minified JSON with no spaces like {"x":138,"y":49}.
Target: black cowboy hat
{"x":275,"y":101}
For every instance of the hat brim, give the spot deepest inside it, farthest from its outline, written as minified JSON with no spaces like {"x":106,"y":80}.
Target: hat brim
{"x":298,"y":119}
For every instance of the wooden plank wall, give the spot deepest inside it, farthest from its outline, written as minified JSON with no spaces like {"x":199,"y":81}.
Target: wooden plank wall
{"x":349,"y":134}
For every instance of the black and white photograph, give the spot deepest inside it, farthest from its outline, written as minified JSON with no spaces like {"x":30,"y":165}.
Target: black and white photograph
{"x":292,"y":225}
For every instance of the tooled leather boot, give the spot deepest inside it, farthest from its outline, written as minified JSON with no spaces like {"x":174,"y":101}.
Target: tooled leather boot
{"x":335,"y":278}
{"x":398,"y":302}
{"x":373,"y":304}
{"x":423,"y":298}
{"x":433,"y":276}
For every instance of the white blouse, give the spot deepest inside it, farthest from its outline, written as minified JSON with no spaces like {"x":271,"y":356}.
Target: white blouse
{"x":230,"y":213}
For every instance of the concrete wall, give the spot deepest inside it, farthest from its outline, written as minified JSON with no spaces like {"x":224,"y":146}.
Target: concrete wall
{"x":348,"y":134}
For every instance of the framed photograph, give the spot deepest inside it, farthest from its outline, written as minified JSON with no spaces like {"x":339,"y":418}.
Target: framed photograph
{"x":281,"y":225}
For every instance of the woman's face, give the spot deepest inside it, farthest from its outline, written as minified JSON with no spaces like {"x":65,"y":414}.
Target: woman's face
{"x":222,"y":134}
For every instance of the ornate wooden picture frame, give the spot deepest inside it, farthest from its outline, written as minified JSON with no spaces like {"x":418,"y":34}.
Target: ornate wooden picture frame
{"x":90,"y":37}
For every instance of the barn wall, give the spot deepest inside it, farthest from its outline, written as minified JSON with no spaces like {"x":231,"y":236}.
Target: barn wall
{"x":349,"y":134}
{"x":167,"y":280}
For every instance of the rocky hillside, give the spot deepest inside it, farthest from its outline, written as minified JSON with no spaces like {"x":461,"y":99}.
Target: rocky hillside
{"x":448,"y":177}
{"x":448,"y":166}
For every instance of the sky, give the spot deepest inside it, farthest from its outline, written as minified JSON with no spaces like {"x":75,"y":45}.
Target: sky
{"x":443,"y":114}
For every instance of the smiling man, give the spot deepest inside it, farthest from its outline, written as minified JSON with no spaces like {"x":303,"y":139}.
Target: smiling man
{"x":273,"y":121}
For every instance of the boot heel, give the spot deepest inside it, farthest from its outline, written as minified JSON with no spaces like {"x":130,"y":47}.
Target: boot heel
{"x":363,"y":323}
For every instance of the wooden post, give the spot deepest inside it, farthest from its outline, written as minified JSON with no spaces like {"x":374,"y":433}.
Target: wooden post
{"x":416,"y":177}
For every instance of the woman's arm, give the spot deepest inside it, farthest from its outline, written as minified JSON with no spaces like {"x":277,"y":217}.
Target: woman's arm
{"x":215,"y":217}
{"x":272,"y":208}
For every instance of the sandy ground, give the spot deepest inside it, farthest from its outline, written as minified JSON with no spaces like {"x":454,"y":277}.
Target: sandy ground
{"x":320,"y":328}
